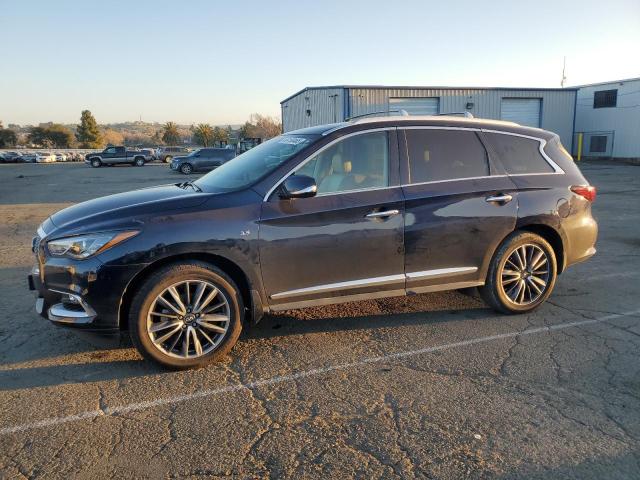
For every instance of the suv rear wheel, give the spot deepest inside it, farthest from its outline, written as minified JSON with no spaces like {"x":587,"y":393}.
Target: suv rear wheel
{"x":521,"y":275}
{"x":95,"y":163}
{"x":186,"y":316}
{"x":186,"y":168}
{"x":139,"y":162}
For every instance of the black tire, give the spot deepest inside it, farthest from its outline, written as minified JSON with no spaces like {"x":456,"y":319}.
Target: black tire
{"x":153,"y":286}
{"x":500,"y":282}
{"x":96,"y":163}
{"x":138,"y":162}
{"x":167,"y":159}
{"x":186,"y":168}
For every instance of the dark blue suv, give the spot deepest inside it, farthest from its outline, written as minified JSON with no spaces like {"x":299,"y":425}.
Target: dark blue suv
{"x":372,"y":208}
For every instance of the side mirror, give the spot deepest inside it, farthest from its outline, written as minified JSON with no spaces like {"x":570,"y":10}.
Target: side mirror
{"x":298,"y":186}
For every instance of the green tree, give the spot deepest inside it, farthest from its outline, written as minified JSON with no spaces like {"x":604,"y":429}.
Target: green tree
{"x":170,"y":134}
{"x":88,"y":133}
{"x":8,"y":137}
{"x":203,"y":134}
{"x":38,"y":136}
{"x":51,"y":135}
{"x":60,"y":136}
{"x":221,"y":136}
{"x":261,"y":126}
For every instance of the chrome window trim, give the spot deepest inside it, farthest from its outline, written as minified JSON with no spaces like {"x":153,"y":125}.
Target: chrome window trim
{"x":374,"y":281}
{"x":357,"y":190}
{"x":542,"y":143}
{"x":322,"y":149}
{"x":557,"y":170}
{"x":438,"y":127}
{"x":454,"y":180}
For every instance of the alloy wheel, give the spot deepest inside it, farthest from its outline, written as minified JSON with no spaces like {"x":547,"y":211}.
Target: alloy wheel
{"x":188,"y":319}
{"x":525,"y":274}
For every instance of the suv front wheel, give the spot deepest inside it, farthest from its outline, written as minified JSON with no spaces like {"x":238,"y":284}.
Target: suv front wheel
{"x":186,"y":316}
{"x":521,"y":275}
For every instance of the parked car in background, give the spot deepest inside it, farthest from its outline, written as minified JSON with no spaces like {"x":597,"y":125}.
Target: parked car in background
{"x":45,"y":157}
{"x":150,"y":154}
{"x":10,"y":157}
{"x":165,"y":154}
{"x":202,"y":160}
{"x":116,"y":155}
{"x":61,"y":157}
{"x":371,"y":208}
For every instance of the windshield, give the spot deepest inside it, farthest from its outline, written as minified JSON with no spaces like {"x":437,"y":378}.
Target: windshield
{"x":245,"y":169}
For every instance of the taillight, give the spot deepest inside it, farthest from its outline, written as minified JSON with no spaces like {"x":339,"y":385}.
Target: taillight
{"x":586,"y":191}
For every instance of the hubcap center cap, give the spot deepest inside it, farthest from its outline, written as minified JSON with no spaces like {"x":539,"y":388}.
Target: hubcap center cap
{"x":189,"y":318}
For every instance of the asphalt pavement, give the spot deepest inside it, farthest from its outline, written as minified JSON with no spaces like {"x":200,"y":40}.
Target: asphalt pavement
{"x":429,"y":386}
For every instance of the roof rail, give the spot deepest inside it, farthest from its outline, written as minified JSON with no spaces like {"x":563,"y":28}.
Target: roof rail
{"x":404,"y":113}
{"x":401,"y":112}
{"x":464,"y":114}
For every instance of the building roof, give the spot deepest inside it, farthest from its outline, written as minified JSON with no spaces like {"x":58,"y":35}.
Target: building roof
{"x":409,"y":87}
{"x":608,"y":83}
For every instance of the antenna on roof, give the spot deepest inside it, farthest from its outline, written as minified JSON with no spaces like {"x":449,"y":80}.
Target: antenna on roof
{"x":564,"y":77}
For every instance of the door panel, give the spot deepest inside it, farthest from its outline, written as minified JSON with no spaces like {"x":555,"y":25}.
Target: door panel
{"x":327,"y":246}
{"x":451,"y":230}
{"x":454,"y":215}
{"x":348,"y":239}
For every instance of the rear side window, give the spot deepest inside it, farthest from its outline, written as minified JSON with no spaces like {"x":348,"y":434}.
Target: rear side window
{"x":519,"y":155}
{"x":445,"y":155}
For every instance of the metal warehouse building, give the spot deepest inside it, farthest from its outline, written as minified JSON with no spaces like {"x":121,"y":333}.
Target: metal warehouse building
{"x":549,"y":108}
{"x":608,"y":119}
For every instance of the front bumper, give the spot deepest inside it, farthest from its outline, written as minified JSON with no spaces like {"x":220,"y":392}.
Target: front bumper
{"x":83,"y":298}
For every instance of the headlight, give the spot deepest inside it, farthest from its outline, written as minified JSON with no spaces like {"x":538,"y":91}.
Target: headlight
{"x":83,"y":246}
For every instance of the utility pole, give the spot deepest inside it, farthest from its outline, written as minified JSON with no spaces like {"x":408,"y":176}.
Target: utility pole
{"x":564,"y":77}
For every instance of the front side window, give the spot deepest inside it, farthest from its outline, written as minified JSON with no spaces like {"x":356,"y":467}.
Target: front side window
{"x":111,"y":150}
{"x":355,"y":163}
{"x":519,"y":155}
{"x":436,"y":155}
{"x":254,"y":164}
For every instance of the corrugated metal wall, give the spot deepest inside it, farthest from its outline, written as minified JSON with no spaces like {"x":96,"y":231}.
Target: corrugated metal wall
{"x":620,"y":123}
{"x":557,"y":105}
{"x":325,"y":105}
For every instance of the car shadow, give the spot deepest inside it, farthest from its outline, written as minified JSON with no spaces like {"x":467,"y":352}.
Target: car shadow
{"x":104,"y":360}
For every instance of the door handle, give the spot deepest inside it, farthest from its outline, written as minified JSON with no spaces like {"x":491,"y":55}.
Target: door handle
{"x":500,"y":198}
{"x":383,"y":214}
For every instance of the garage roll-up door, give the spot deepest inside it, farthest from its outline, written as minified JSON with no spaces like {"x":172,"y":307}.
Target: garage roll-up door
{"x":415,"y":106}
{"x":525,"y":111}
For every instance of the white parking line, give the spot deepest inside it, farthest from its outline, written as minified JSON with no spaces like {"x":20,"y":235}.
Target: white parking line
{"x":132,"y":407}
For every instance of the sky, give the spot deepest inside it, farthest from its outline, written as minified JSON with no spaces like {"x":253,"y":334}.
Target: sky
{"x":218,"y":62}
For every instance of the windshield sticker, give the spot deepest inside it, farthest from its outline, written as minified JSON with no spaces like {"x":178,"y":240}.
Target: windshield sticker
{"x":292,"y":140}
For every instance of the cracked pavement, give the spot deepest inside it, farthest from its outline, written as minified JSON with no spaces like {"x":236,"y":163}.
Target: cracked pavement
{"x":558,"y":403}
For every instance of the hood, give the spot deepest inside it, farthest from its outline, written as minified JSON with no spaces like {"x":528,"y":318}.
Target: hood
{"x":179,"y":158}
{"x":128,"y":207}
